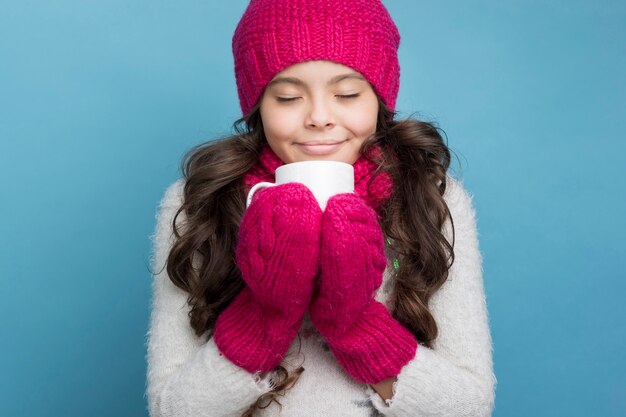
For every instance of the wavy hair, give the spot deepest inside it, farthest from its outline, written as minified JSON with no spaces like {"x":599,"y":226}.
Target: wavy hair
{"x":201,"y":260}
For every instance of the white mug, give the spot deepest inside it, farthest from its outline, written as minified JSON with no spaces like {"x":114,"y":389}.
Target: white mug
{"x":323,"y":178}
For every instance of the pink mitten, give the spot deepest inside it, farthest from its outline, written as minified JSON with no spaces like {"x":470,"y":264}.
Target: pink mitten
{"x":366,"y":340}
{"x":278,"y":255}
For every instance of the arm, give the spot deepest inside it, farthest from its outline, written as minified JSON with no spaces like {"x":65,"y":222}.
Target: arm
{"x":186,"y":376}
{"x":455,"y":377}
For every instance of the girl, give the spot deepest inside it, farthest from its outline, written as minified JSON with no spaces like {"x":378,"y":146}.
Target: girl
{"x":374,"y":306}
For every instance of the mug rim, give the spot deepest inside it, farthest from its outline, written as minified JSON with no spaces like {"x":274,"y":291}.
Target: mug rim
{"x":314,"y":162}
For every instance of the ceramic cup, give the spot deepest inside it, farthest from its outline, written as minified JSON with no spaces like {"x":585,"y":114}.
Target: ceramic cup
{"x":323,"y":178}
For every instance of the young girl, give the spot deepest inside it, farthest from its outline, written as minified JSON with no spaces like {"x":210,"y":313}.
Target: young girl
{"x":373,"y":306}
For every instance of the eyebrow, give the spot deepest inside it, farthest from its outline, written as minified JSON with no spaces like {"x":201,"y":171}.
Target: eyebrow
{"x":334,"y":80}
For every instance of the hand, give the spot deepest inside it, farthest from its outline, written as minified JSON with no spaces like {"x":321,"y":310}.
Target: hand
{"x":278,"y":255}
{"x":278,"y":247}
{"x":352,"y":264}
{"x":366,"y":340}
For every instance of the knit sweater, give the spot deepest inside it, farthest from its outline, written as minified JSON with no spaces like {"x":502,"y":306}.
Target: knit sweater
{"x":188,"y":377}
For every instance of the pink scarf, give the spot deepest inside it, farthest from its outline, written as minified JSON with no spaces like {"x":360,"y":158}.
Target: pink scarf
{"x":374,"y":189}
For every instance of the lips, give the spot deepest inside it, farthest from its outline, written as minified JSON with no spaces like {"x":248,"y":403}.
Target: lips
{"x":320,"y":147}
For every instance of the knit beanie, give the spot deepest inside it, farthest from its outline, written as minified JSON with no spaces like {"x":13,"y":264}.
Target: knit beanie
{"x":275,"y":34}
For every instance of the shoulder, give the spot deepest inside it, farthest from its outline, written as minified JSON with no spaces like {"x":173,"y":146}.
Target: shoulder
{"x":462,"y":211}
{"x":173,"y":195}
{"x":168,"y":206}
{"x":171,"y":201}
{"x":457,"y":197}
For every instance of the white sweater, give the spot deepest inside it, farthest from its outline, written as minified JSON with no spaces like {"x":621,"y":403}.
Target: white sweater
{"x":188,"y":377}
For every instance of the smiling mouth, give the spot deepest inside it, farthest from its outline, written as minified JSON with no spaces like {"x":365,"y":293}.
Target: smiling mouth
{"x":320,"y":147}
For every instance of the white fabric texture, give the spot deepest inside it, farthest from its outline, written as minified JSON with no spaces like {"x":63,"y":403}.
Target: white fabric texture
{"x":188,"y":377}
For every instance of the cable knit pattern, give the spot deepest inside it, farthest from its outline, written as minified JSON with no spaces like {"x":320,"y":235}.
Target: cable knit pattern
{"x":188,"y":377}
{"x":277,"y":253}
{"x":368,"y":342}
{"x":274,"y":34}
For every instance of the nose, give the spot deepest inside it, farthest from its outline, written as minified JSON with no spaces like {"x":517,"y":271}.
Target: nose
{"x":320,"y":114}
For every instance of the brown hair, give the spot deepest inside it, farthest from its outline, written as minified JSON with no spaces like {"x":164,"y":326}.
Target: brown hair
{"x":201,"y":260}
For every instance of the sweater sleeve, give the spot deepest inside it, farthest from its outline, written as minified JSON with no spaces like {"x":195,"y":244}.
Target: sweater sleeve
{"x":187,"y":376}
{"x":455,"y":377}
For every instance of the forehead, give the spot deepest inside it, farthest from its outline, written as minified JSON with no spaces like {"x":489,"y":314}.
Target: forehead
{"x":324,"y":73}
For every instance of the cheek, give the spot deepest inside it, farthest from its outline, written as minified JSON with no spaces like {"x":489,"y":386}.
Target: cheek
{"x":275,"y":127}
{"x":363,"y":122}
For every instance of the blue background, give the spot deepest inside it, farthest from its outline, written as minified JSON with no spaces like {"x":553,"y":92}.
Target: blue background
{"x":99,"y":101}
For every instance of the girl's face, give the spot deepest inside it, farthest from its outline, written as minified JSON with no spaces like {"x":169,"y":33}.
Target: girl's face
{"x":318,"y":110}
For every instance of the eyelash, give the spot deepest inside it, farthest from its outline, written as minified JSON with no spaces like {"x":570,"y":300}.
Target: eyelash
{"x":355,"y":95}
{"x":341,"y":96}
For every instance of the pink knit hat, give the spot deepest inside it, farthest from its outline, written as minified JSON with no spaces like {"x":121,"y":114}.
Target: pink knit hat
{"x":275,"y":34}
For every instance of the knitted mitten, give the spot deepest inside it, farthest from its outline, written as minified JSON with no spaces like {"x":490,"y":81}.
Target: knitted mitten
{"x":366,"y":340}
{"x":278,"y":255}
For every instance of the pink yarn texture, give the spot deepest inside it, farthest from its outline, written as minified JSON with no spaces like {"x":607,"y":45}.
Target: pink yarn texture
{"x":373,"y":186}
{"x":366,"y":340}
{"x":285,"y":241}
{"x":275,"y":34}
{"x":278,"y":255}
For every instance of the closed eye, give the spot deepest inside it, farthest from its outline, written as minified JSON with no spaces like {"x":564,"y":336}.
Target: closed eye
{"x":355,"y":95}
{"x":284,"y":99}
